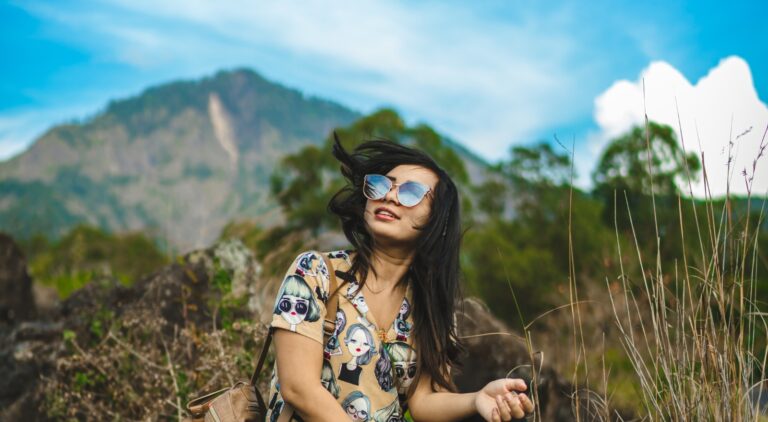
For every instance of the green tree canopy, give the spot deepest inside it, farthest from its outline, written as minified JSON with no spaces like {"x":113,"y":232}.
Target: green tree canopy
{"x":624,"y":164}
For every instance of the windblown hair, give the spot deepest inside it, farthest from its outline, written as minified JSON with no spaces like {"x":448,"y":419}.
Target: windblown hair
{"x":434,"y":272}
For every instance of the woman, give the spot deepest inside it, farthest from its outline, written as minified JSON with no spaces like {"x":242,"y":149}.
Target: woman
{"x":399,"y":287}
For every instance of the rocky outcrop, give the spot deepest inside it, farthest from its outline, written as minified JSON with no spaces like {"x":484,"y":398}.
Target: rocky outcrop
{"x":16,"y":301}
{"x":494,"y":351}
{"x":139,"y":352}
{"x":107,"y":335}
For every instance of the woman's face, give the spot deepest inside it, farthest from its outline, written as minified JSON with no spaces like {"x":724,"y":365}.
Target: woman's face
{"x":399,"y":226}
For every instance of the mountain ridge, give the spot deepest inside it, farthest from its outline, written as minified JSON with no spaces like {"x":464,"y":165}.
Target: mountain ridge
{"x":178,"y":160}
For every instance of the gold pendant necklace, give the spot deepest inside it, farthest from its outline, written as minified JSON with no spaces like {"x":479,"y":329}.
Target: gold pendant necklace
{"x":373,"y":291}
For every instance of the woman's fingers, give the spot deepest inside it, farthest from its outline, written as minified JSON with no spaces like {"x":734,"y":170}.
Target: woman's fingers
{"x":516,"y":408}
{"x":504,"y":408}
{"x":495,"y":415}
{"x":516,"y":384}
{"x":526,"y":403}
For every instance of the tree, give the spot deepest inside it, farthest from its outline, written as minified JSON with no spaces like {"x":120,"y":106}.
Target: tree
{"x":625,"y":179}
{"x":624,"y":163}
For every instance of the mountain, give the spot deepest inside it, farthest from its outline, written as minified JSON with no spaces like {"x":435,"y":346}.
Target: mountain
{"x":178,"y":161}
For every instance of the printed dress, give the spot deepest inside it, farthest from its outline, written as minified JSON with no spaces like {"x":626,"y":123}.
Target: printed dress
{"x":367,"y":369}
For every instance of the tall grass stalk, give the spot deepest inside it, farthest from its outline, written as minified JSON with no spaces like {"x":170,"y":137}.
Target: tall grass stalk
{"x":691,"y":335}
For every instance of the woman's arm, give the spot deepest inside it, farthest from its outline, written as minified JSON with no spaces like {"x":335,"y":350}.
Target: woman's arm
{"x":497,"y":401}
{"x":299,"y":361}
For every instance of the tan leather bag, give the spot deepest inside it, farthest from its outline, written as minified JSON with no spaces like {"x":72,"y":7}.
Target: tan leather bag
{"x":243,"y":402}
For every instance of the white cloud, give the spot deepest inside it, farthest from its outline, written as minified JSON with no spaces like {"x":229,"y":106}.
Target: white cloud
{"x":722,"y":107}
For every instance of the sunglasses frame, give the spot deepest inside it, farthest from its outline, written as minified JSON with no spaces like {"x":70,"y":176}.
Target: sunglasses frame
{"x":397,"y":192}
{"x":294,"y":305}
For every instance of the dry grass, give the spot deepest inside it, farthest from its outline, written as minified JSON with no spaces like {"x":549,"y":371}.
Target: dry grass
{"x":693,"y":338}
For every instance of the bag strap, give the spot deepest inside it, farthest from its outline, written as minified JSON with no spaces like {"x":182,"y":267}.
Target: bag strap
{"x":333,"y":302}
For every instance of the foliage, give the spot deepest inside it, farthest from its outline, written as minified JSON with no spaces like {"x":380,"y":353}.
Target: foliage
{"x":136,"y":371}
{"x":529,"y":253}
{"x":142,"y":352}
{"x":624,"y":164}
{"x":85,"y":253}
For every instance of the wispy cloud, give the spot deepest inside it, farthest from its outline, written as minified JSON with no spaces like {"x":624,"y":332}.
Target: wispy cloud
{"x":489,"y":74}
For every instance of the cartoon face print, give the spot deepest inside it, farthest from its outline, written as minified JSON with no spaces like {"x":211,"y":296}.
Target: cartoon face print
{"x":390,"y":413}
{"x":340,"y":255}
{"x":352,"y":289}
{"x":295,"y":302}
{"x":341,"y":322}
{"x":322,"y":271}
{"x":402,"y":326}
{"x":403,"y":329}
{"x":293,"y":309}
{"x":332,"y":346}
{"x":405,"y":310}
{"x":404,"y":361}
{"x":359,"y":303}
{"x":304,"y":264}
{"x":358,"y":406}
{"x":360,"y":345}
{"x":329,"y":380}
{"x":358,"y":342}
{"x":405,"y":372}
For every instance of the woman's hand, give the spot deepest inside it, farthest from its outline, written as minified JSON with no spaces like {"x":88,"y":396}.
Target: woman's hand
{"x":500,"y":401}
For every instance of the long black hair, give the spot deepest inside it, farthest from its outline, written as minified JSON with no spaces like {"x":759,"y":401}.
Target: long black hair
{"x":434,"y":271}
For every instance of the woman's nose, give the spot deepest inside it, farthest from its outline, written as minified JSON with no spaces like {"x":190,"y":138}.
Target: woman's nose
{"x":391,"y":196}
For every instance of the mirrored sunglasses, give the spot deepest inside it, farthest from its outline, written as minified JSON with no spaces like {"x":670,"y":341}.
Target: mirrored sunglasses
{"x":409,"y":194}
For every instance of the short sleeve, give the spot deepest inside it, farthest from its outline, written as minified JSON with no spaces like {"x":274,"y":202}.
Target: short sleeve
{"x":300,"y":302}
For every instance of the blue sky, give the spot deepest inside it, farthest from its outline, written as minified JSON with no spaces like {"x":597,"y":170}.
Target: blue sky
{"x":489,"y":74}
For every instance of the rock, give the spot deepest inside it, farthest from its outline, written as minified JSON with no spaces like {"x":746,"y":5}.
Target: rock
{"x":233,"y":257}
{"x":16,"y":302}
{"x":494,"y":351}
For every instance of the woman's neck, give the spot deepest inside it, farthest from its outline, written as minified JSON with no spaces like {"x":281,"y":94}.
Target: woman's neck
{"x":388,"y":266}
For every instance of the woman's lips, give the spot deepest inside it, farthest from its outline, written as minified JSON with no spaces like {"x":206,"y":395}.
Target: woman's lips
{"x":385,"y":214}
{"x":384,"y":217}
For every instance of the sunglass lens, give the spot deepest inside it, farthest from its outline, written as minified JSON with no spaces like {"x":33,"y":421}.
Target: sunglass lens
{"x":376,"y":186}
{"x":411,"y":193}
{"x":412,"y":371}
{"x":285,"y":305}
